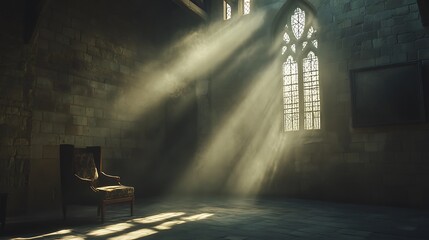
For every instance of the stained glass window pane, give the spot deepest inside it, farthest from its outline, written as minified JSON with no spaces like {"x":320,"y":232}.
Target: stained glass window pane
{"x":293,"y":47}
{"x":315,"y":43}
{"x":290,"y":95}
{"x":310,"y":32}
{"x":298,"y":23}
{"x":286,"y":37}
{"x":304,"y":44}
{"x":246,"y":7}
{"x":284,"y":49}
{"x":228,"y":10}
{"x":311,"y":92}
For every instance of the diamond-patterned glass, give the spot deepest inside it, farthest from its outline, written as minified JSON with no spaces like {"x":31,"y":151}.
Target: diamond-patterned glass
{"x":286,"y":37}
{"x":298,"y":22}
{"x":311,"y":92}
{"x":228,"y":11}
{"x":310,"y":32}
{"x":246,"y":7}
{"x":304,"y":44}
{"x":315,"y":43}
{"x":290,"y":95}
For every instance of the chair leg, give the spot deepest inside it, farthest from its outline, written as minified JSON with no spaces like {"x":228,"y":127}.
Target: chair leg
{"x":102,"y":212}
{"x":132,"y":207}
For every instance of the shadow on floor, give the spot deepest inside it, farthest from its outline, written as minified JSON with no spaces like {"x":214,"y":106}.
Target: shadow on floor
{"x":228,"y":219}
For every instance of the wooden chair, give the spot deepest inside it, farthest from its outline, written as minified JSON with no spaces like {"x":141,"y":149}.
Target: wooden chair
{"x":84,"y":183}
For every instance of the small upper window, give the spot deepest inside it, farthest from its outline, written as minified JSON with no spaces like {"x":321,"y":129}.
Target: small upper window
{"x":227,"y":10}
{"x":241,"y":7}
{"x":246,"y":7}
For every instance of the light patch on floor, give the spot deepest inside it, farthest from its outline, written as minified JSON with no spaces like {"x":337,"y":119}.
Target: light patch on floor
{"x":168,"y":225}
{"x":110,"y":229}
{"x":135,"y":234}
{"x":197,"y":217}
{"x":158,"y":217}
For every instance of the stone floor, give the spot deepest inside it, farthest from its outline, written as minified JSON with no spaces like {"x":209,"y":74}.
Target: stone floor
{"x":228,"y":219}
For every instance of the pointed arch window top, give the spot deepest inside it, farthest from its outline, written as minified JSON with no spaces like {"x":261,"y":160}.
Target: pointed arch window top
{"x":290,"y":68}
{"x":298,"y":22}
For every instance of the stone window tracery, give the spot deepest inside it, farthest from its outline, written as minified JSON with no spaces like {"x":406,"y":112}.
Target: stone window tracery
{"x":301,"y":88}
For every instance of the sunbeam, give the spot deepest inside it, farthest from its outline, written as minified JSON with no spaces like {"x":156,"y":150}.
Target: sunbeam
{"x":194,"y":56}
{"x":244,"y":150}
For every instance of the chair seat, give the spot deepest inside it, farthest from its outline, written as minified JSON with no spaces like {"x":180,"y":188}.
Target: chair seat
{"x":116,"y":191}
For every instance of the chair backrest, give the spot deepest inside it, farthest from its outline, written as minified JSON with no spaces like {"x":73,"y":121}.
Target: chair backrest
{"x":83,"y":164}
{"x":80,"y":161}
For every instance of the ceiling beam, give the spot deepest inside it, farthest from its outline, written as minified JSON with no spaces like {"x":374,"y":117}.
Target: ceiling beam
{"x":193,"y":7}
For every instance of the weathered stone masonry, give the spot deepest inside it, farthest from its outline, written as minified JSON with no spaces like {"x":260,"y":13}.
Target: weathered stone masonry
{"x":60,"y":87}
{"x":383,"y":165}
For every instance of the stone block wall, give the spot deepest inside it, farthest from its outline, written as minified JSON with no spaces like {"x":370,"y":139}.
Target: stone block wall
{"x":379,"y":165}
{"x":62,"y":87}
{"x":89,"y":54}
{"x":79,"y":67}
{"x":384,"y":165}
{"x":15,"y":112}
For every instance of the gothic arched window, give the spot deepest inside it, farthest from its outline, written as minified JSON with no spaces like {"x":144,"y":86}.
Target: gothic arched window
{"x":301,"y":92}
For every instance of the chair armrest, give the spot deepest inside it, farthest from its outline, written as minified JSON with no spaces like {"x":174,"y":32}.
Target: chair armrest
{"x":83,"y":179}
{"x":106,"y":179}
{"x":111,"y":176}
